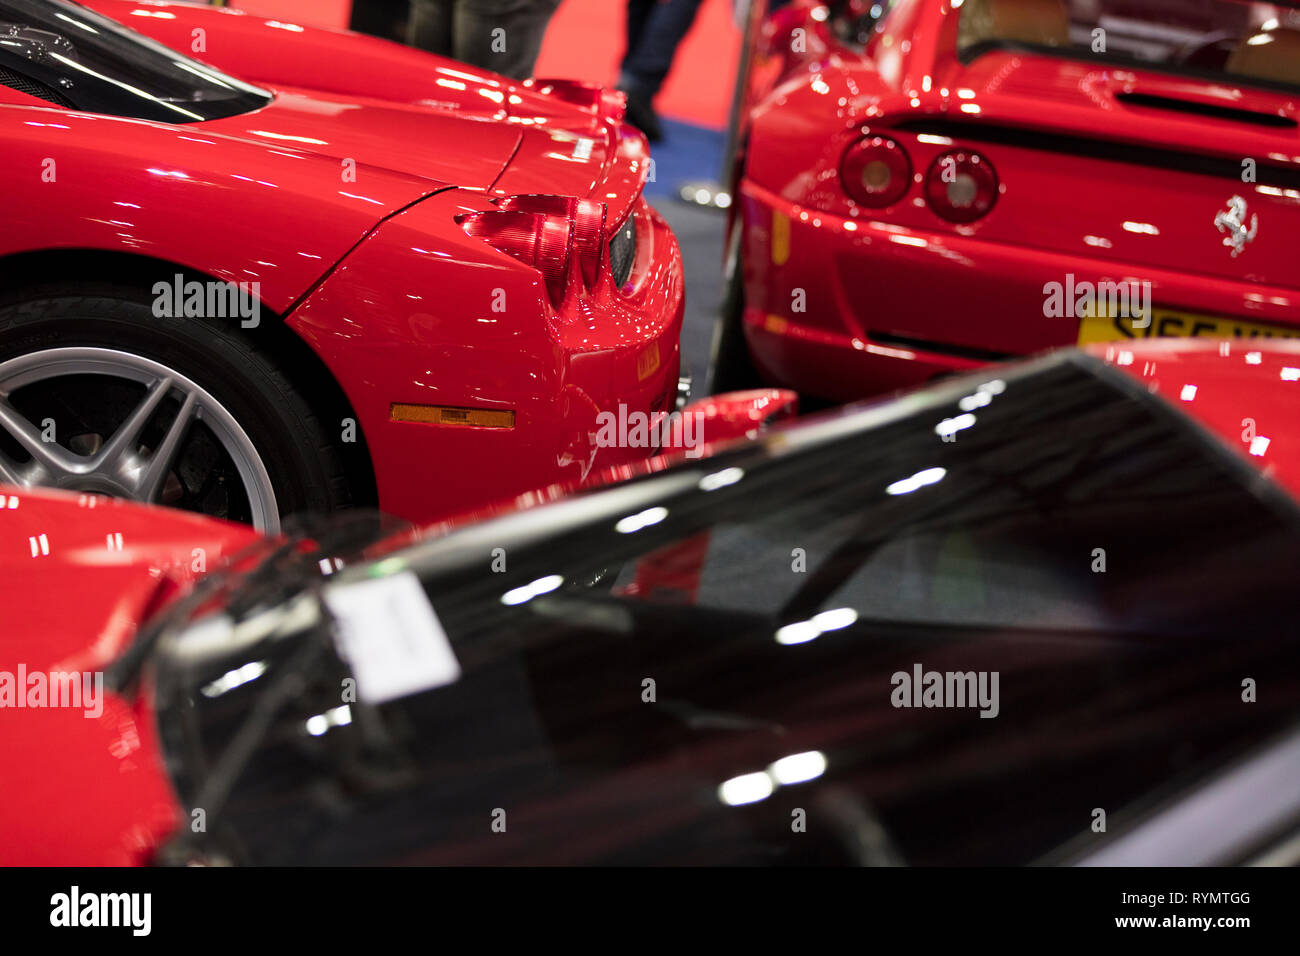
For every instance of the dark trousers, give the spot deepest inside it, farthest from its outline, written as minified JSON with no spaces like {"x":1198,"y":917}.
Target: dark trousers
{"x":654,"y":30}
{"x":500,"y":35}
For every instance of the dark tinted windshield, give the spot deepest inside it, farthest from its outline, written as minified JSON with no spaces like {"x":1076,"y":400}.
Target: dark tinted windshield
{"x":1091,"y":580}
{"x":73,"y":57}
{"x":1252,"y":42}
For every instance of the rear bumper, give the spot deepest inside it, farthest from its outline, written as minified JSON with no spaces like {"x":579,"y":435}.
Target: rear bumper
{"x":399,"y":324}
{"x":844,"y":309}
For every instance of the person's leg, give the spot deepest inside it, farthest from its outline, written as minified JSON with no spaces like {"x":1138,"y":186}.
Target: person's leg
{"x":646,"y":66}
{"x":638,"y":12}
{"x":379,"y":18}
{"x":430,"y":26}
{"x":650,"y":56}
{"x":502,"y":35}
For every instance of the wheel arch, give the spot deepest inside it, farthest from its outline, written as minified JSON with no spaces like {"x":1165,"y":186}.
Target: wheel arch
{"x":25,"y":273}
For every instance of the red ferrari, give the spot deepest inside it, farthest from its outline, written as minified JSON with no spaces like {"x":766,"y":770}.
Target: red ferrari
{"x":928,"y":185}
{"x":1113,"y":532}
{"x":249,"y":268}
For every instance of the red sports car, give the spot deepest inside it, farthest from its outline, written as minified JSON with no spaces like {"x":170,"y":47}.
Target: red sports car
{"x":249,"y":268}
{"x":928,"y":185}
{"x":670,"y":670}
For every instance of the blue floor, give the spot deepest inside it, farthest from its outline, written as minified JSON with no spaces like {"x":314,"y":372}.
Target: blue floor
{"x":686,"y":154}
{"x":691,"y":154}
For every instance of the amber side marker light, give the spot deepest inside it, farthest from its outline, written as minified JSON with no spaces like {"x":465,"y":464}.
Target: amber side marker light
{"x":446,"y":415}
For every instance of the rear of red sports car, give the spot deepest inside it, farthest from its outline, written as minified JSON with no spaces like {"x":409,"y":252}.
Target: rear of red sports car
{"x":477,"y":366}
{"x":929,"y":185}
{"x":519,"y":367}
{"x":469,"y":261}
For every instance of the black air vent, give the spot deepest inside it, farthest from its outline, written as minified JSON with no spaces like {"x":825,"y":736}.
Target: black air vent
{"x":1206,"y":109}
{"x":16,"y":81}
{"x":622,"y":252}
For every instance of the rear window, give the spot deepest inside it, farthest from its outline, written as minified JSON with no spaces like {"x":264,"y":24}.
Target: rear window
{"x":1257,"y":43}
{"x":73,"y":57}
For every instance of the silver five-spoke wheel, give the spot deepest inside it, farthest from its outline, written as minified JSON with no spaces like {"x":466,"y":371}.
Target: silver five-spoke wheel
{"x":104,"y":421}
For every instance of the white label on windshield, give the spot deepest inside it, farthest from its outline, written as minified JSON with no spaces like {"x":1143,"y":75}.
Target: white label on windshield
{"x":387,"y":631}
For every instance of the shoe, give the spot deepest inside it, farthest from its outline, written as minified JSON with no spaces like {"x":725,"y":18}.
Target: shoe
{"x":642,"y":115}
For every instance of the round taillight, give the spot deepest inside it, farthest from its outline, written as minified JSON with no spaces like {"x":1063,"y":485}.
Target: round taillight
{"x":876,"y":172}
{"x":961,"y":186}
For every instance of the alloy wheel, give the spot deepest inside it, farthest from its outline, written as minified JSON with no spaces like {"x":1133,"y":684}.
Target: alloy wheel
{"x":105,"y":421}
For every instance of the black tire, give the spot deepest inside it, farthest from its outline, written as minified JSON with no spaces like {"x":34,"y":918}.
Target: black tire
{"x":730,"y":366}
{"x":297,"y":450}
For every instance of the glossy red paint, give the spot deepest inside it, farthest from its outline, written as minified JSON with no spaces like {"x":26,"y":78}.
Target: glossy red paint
{"x":734,"y":415}
{"x":557,"y":372}
{"x":1247,"y":394}
{"x":1094,"y":183}
{"x":79,"y":574}
{"x":373,"y":272}
{"x":696,"y":432}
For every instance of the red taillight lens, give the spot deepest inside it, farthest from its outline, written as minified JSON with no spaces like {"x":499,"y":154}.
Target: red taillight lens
{"x":961,"y":186}
{"x":587,"y":217}
{"x":876,"y":172}
{"x":543,"y":242}
{"x":528,"y":237}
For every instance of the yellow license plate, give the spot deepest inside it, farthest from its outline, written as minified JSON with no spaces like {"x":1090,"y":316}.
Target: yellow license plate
{"x":1166,"y":323}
